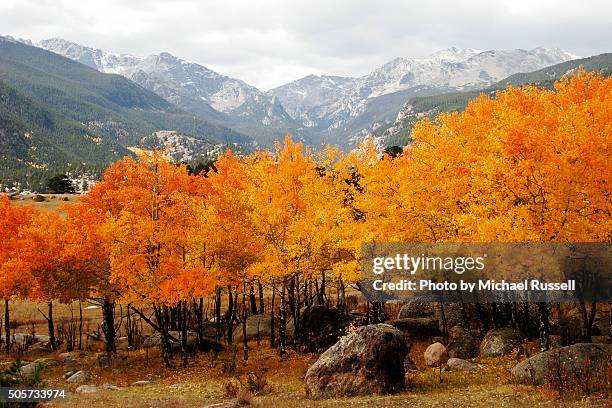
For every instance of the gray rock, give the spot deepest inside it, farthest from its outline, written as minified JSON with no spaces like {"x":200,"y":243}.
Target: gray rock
{"x":68,"y":374}
{"x":457,"y":364}
{"x":463,"y":347}
{"x":20,"y":339}
{"x":415,"y":309}
{"x":417,"y":327}
{"x":40,"y":338}
{"x":534,"y":370}
{"x":79,"y":377}
{"x":114,"y":360}
{"x":179,"y":385}
{"x":144,"y":383}
{"x":366,"y":361}
{"x":108,"y":386}
{"x":86,"y":389}
{"x":155,"y":340}
{"x":223,"y":405}
{"x":28,"y":370}
{"x":498,"y":342}
{"x":435,"y":355}
{"x":256,"y":325}
{"x":70,"y":359}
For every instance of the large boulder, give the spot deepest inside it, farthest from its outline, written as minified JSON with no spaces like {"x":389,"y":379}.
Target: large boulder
{"x":417,"y":309}
{"x":260,"y":326}
{"x":320,"y":327}
{"x":569,"y":359}
{"x":417,"y":327}
{"x":435,"y":355}
{"x":155,"y":340}
{"x":366,"y":361}
{"x":256,"y":325}
{"x":464,"y":347}
{"x":498,"y":342}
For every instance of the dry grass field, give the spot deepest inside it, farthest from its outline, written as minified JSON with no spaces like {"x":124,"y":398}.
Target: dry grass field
{"x":52,"y":201}
{"x":205,"y":382}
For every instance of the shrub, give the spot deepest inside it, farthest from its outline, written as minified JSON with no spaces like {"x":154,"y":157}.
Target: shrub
{"x":568,"y":381}
{"x":12,"y":377}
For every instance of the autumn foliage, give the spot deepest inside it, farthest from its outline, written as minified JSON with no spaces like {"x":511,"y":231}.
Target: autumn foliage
{"x":527,"y":165}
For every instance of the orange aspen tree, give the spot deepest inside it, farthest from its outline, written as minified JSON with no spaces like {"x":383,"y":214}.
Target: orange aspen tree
{"x":231,"y":245}
{"x":12,"y":282}
{"x":155,"y":254}
{"x":45,"y":257}
{"x":277,"y":186}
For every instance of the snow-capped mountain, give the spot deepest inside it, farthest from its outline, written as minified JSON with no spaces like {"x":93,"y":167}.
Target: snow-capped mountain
{"x":303,"y":95}
{"x":353,"y":109}
{"x":316,"y":109}
{"x":193,"y":87}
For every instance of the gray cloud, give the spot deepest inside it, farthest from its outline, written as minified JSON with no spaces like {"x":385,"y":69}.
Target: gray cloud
{"x":270,"y":42}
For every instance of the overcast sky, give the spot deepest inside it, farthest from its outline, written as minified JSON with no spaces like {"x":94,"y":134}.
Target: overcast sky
{"x":271,"y":42}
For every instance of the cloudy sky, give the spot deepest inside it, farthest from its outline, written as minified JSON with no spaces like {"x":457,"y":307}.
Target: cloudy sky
{"x":271,"y":42}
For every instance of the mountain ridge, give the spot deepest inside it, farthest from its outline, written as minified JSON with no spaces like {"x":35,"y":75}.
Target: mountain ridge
{"x":316,"y":109}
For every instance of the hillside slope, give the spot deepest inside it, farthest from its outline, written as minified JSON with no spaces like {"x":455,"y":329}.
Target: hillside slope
{"x":211,"y":96}
{"x":59,"y":115}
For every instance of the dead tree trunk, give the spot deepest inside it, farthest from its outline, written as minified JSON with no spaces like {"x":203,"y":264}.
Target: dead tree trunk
{"x":543,"y":315}
{"x":80,"y":326}
{"x":272,"y":313}
{"x":51,"y":325}
{"x":231,"y":308}
{"x":261,"y":298}
{"x":321,"y":290}
{"x":282,"y":332}
{"x":7,"y":327}
{"x":587,"y":321}
{"x":198,"y":310}
{"x":245,"y":342}
{"x":217,"y":315}
{"x":307,"y":299}
{"x":444,"y":323}
{"x":183,"y":314}
{"x":252,"y":300}
{"x":342,"y":298}
{"x":108,"y":325}
{"x":161,"y":316}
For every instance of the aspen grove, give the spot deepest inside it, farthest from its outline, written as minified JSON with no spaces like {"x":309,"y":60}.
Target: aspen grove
{"x":272,"y":232}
